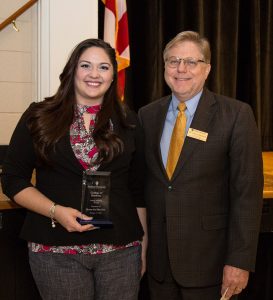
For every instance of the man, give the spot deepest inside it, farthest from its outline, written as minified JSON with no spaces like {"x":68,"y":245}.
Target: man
{"x":204,"y":193}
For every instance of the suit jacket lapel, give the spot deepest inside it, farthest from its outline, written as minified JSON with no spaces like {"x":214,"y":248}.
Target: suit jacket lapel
{"x":68,"y":154}
{"x":159,"y":117}
{"x":201,"y":120}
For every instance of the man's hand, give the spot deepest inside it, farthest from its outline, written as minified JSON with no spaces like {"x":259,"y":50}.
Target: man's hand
{"x":235,"y":280}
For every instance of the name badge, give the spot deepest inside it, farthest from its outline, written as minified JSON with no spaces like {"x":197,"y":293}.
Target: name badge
{"x":197,"y":134}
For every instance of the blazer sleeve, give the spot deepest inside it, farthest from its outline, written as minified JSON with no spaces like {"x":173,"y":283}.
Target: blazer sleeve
{"x":19,"y":161}
{"x":138,"y":167}
{"x":246,"y":191}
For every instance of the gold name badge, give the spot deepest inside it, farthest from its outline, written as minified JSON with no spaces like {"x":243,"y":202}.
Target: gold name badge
{"x":197,"y":134}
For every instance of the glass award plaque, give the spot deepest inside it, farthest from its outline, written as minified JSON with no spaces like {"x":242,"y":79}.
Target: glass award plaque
{"x":95,"y":198}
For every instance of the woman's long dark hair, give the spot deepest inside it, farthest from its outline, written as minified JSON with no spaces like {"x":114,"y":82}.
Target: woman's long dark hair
{"x":50,"y":120}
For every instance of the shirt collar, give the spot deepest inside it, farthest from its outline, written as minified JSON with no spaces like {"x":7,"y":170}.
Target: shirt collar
{"x":191,"y":103}
{"x":92,"y":109}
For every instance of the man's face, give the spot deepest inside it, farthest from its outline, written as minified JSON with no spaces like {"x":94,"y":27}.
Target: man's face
{"x":186,"y":80}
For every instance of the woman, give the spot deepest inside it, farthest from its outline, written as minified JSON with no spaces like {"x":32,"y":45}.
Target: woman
{"x":82,"y":127}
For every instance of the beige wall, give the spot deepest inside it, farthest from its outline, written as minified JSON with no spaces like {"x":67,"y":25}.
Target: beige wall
{"x":32,"y":59}
{"x":17,"y":66}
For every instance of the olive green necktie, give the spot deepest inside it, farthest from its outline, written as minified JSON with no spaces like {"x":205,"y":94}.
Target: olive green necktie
{"x":177,"y":139}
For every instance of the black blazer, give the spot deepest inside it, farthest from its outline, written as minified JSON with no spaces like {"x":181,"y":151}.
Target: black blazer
{"x":208,"y":215}
{"x":62,"y":184}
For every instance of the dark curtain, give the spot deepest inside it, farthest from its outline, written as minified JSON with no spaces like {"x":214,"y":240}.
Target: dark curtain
{"x":240,"y":33}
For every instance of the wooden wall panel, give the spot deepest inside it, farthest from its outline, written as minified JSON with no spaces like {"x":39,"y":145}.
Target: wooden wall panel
{"x":18,"y":61}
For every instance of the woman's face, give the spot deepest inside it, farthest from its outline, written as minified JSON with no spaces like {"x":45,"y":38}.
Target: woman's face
{"x":93,"y":77}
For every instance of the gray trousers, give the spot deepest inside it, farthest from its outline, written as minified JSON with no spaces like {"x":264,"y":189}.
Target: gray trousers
{"x":113,"y":275}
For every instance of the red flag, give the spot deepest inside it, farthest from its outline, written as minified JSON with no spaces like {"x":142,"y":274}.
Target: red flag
{"x":116,"y":33}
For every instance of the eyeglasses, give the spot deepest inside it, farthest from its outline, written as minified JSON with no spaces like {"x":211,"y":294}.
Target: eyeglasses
{"x":191,"y":63}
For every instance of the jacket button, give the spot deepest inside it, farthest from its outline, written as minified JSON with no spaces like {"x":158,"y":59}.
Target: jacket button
{"x":170,"y":188}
